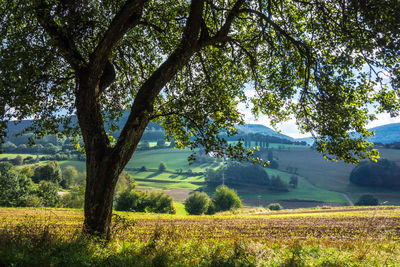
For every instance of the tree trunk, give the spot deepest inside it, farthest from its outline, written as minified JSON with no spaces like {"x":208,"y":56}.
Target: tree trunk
{"x":100,"y":185}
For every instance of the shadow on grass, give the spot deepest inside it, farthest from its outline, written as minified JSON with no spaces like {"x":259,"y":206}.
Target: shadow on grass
{"x":154,"y":174}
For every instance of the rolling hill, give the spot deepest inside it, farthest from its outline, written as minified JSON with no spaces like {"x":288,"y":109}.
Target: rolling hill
{"x":388,"y":133}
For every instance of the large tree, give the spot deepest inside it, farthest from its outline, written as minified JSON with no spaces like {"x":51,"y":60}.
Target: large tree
{"x":187,"y":65}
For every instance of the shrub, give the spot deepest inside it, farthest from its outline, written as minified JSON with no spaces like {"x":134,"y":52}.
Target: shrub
{"x":225,"y":199}
{"x":75,"y":199}
{"x":367,"y":200}
{"x":143,"y":201}
{"x":69,"y":175}
{"x":49,"y":172}
{"x":197,"y":203}
{"x":274,"y":164}
{"x":274,"y":206}
{"x":14,"y":187}
{"x":143,"y":169}
{"x":162,"y":167}
{"x":276,"y":184}
{"x":18,"y":160}
{"x":33,"y":201}
{"x":48,"y":192}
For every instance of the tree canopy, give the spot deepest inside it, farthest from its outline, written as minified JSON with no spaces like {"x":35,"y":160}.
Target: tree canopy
{"x":188,"y":65}
{"x":311,"y":51}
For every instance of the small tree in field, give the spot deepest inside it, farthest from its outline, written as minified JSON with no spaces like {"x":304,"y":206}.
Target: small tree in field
{"x":197,"y":203}
{"x":162,"y":167}
{"x":226,"y":199}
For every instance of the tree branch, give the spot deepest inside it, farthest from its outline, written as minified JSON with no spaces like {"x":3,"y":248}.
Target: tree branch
{"x":60,"y":38}
{"x":303,"y":49}
{"x":128,"y":17}
{"x":143,"y":105}
{"x":222,"y":34}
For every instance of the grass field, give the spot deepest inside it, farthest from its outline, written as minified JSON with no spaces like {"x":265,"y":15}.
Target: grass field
{"x":334,"y":176}
{"x":361,"y":236}
{"x":319,"y":180}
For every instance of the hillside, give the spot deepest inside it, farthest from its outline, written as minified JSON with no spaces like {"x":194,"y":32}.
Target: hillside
{"x":261,"y":129}
{"x":388,"y":133}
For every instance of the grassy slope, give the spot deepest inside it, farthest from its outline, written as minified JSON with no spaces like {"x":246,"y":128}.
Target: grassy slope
{"x":319,"y":179}
{"x":334,"y":176}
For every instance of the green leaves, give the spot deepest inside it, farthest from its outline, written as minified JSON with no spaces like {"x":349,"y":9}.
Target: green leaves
{"x":321,"y":62}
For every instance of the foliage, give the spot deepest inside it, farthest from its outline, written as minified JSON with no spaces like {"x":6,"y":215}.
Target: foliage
{"x":384,"y":173}
{"x":274,"y":164}
{"x":367,"y":200}
{"x":74,"y":199}
{"x":33,"y":200}
{"x":15,"y":188}
{"x":162,"y":167}
{"x":69,"y":176}
{"x":276,"y":184}
{"x":143,"y":201}
{"x":226,"y":198}
{"x":237,"y":174}
{"x":48,"y":172}
{"x":275,"y":206}
{"x":187,"y":65}
{"x":197,"y":203}
{"x":48,"y":193}
{"x":18,"y":160}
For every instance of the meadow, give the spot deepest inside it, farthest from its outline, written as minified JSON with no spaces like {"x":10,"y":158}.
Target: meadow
{"x":361,"y":236}
{"x":334,"y":176}
{"x":320,"y":181}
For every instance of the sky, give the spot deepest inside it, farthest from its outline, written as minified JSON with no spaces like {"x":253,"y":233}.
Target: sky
{"x":290,"y":128}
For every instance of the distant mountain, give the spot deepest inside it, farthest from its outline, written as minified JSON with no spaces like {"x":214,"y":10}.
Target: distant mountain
{"x":308,"y":140}
{"x":261,"y":129}
{"x":388,"y":133}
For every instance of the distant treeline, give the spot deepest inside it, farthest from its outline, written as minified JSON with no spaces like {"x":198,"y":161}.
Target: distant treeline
{"x":238,"y":174}
{"x":153,"y":132}
{"x":384,"y":173}
{"x":394,"y":145}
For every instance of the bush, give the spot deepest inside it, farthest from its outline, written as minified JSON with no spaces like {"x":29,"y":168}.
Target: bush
{"x":274,"y":206}
{"x":48,"y":192}
{"x":69,"y":175}
{"x":276,"y":184}
{"x":143,"y":169}
{"x":367,"y":200}
{"x":49,"y":172}
{"x":274,"y":164}
{"x":14,"y":187}
{"x":162,"y":167}
{"x":143,"y":201}
{"x":225,"y":199}
{"x":197,"y":203}
{"x":33,"y":201}
{"x":75,"y":199}
{"x":18,"y":160}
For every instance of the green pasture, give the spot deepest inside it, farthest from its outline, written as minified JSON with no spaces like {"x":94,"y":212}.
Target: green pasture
{"x":334,"y":176}
{"x":13,"y":156}
{"x":304,"y":191}
{"x":164,"y":180}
